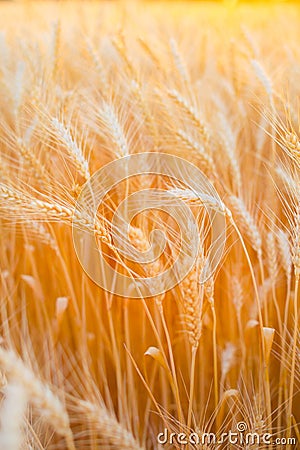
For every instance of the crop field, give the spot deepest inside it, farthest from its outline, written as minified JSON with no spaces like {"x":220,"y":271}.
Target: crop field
{"x":149,"y":225}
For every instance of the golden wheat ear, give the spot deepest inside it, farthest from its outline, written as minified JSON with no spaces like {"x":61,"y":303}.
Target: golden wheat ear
{"x":38,"y":393}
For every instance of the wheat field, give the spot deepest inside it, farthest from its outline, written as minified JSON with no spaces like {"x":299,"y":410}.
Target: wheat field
{"x":86,"y":83}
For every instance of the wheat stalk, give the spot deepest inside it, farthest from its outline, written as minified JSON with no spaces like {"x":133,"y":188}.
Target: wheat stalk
{"x":296,"y":241}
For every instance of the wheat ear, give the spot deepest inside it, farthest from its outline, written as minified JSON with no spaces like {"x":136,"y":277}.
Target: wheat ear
{"x":12,"y":199}
{"x":32,"y":161}
{"x":228,"y":142}
{"x":296,"y":263}
{"x":296,"y":240}
{"x":291,"y":144}
{"x":178,"y":61}
{"x":190,"y":112}
{"x":111,"y":431}
{"x":192,"y":309}
{"x":110,"y":119}
{"x":262,"y":76}
{"x":193,"y":198}
{"x":39,"y":393}
{"x":192,"y":306}
{"x":207,"y":163}
{"x":11,"y":416}
{"x":64,"y":135}
{"x":247,"y":223}
{"x":152,"y":269}
{"x":272,"y":256}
